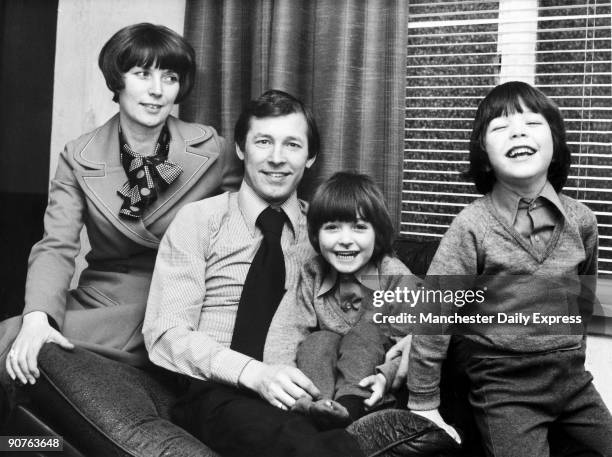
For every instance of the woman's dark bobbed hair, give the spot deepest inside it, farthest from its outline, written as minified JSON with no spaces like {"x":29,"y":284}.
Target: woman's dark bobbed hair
{"x":507,"y":99}
{"x":146,"y":45}
{"x":342,"y":197}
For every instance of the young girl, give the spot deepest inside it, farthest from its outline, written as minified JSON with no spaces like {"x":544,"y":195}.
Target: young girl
{"x":341,"y":348}
{"x":519,"y":384}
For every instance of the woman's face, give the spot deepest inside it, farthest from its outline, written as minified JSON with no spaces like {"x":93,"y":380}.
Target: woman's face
{"x":148,"y":97}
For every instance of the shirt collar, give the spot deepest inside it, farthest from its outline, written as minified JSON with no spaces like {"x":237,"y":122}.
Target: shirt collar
{"x":363,"y":277}
{"x":506,"y":200}
{"x":251,"y":205}
{"x":162,"y":146}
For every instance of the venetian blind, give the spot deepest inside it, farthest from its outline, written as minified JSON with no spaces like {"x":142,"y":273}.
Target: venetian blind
{"x":458,"y":51}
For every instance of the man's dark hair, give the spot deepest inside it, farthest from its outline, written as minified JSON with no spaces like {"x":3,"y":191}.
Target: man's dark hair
{"x":345,"y":196}
{"x":147,"y":45}
{"x":274,"y":103}
{"x":507,"y":99}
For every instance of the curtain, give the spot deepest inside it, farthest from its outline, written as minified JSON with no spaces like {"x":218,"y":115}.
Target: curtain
{"x":346,"y":59}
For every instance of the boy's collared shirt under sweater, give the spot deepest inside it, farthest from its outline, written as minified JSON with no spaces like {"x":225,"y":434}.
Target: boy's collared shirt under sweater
{"x":310,"y":309}
{"x":481,"y":241}
{"x":345,"y":292}
{"x":535,"y":219}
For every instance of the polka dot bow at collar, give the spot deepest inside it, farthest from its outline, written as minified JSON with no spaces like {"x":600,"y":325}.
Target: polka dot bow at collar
{"x":147,"y":175}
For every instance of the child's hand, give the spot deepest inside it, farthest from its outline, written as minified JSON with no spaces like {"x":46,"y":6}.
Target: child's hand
{"x":400,"y":349}
{"x":377,"y":384}
{"x":434,"y":416}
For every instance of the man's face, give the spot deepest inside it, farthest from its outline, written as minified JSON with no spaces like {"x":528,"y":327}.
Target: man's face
{"x":275,"y":155}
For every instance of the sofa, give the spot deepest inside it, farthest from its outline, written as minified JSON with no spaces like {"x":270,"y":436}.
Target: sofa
{"x":44,"y":409}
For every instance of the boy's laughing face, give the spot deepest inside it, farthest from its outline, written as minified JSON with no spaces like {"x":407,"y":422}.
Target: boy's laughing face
{"x":520,"y":149}
{"x":347,"y":246}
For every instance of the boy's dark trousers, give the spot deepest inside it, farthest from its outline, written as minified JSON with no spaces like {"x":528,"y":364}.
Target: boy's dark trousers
{"x":336,"y":363}
{"x":516,"y":399}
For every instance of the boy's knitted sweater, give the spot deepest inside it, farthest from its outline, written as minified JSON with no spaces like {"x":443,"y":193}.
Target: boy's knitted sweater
{"x":302,"y":313}
{"x":480,"y":242}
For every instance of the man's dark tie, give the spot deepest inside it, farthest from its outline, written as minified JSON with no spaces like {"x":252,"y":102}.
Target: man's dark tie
{"x":263,"y":288}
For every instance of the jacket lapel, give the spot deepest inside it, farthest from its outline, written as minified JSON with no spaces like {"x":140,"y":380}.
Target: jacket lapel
{"x":102,"y":175}
{"x":194,"y":162}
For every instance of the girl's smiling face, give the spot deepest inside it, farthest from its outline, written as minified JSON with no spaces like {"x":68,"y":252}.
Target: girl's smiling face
{"x":347,"y":246}
{"x":519,"y":146}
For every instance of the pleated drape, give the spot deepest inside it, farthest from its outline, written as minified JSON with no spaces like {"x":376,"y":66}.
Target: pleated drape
{"x":344,"y":58}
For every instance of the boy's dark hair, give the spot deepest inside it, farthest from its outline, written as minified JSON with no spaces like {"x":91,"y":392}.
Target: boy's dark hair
{"x":145,"y":45}
{"x":506,"y":99}
{"x":342,"y":197}
{"x":274,"y":103}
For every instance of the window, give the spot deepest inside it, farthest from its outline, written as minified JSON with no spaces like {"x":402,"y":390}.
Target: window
{"x":457,"y":52}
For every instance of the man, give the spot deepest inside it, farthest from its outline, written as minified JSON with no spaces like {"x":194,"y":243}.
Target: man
{"x":207,"y":318}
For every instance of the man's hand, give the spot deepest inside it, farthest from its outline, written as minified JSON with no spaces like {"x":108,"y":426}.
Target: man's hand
{"x":377,"y":384}
{"x":400,"y":349}
{"x":22,"y":360}
{"x":279,"y":385}
{"x":434,"y":416}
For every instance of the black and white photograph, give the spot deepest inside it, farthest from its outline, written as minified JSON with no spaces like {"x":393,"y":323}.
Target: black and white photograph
{"x":306,"y":228}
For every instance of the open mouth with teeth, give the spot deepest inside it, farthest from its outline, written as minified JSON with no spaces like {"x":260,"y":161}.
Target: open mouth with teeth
{"x":275,"y":174}
{"x":520,"y":151}
{"x":346,"y":255}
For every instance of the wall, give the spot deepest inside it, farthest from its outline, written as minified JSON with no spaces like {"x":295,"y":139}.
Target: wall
{"x":599,"y":363}
{"x":81,"y":99}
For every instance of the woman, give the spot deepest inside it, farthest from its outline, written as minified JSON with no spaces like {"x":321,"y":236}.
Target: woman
{"x":125,"y":182}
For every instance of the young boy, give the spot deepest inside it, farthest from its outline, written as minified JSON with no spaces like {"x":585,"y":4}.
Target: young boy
{"x":330,"y":332}
{"x":523,"y":226}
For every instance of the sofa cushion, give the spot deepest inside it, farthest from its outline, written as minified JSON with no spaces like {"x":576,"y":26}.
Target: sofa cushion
{"x":416,"y":255}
